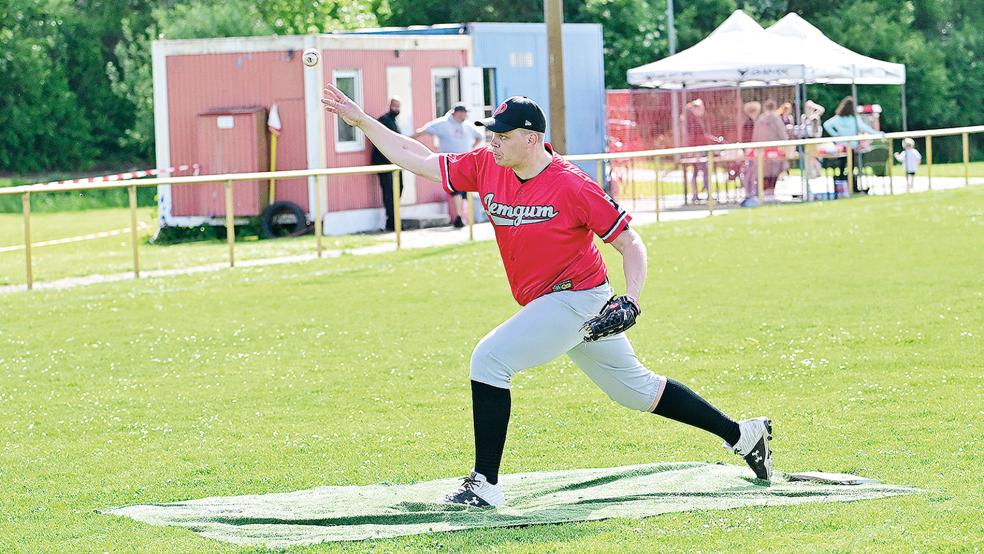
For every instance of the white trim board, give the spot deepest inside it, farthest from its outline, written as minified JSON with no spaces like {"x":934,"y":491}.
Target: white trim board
{"x":298,"y":42}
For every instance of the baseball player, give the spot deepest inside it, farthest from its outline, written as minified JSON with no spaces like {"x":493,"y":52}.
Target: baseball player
{"x":545,"y":213}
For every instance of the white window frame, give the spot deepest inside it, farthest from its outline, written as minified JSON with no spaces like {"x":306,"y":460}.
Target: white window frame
{"x":359,"y":143}
{"x":443,"y":73}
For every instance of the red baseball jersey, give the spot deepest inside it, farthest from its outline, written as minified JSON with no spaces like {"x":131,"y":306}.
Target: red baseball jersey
{"x":545,"y":226}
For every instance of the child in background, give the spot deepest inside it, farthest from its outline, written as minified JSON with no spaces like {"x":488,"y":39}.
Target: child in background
{"x":910,"y":158}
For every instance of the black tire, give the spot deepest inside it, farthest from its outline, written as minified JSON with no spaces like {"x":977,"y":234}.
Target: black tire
{"x":284,"y":219}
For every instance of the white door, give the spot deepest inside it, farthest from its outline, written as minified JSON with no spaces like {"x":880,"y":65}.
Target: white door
{"x":473,"y":91}
{"x":398,"y":84}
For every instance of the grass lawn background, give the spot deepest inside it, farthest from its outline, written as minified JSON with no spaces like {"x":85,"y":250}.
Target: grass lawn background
{"x":855,"y":325}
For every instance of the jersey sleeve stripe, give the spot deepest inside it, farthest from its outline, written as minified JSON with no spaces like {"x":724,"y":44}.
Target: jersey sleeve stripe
{"x":446,"y":173}
{"x":611,"y":230}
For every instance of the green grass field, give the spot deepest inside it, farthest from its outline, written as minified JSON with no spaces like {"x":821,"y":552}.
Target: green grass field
{"x":114,"y":254}
{"x":855,"y":325}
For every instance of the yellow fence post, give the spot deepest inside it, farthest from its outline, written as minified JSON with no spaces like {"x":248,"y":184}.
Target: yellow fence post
{"x":230,"y":224}
{"x":929,"y":161}
{"x":273,"y":167}
{"x":633,"y":177}
{"x":709,"y":176}
{"x":134,"y":237}
{"x":966,"y":158}
{"x":26,"y":202}
{"x":888,"y":167}
{"x":849,"y":187}
{"x":319,"y":213}
{"x":599,"y":167}
{"x":760,"y":174}
{"x":656,"y":195}
{"x":471,"y":216}
{"x":397,"y":223}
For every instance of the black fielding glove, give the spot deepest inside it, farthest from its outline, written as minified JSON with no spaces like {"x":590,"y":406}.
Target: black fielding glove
{"x":618,"y":314}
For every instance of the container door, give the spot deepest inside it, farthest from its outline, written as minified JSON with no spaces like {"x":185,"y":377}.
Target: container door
{"x":398,"y":84}
{"x":233,"y":143}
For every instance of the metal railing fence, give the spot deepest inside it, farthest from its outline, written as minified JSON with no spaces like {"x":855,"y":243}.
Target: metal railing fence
{"x":322,"y":175}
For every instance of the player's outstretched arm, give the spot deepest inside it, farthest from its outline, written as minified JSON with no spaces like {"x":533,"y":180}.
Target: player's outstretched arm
{"x":633,"y":251}
{"x":401,"y":150}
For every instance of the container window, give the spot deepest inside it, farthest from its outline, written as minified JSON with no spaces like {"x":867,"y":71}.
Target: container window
{"x":347,"y":137}
{"x":447,"y":91}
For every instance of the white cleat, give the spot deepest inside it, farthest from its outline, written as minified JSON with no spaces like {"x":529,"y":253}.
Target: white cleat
{"x":753,"y":445}
{"x":476,"y":491}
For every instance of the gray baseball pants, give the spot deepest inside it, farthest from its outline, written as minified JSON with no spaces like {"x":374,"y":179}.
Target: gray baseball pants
{"x":550,"y":326}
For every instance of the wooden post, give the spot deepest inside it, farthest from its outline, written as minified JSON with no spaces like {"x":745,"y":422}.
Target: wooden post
{"x":966,"y":158}
{"x":656,"y":195}
{"x":929,"y":161}
{"x":889,"y":163}
{"x":471,"y":216}
{"x":849,"y":187}
{"x":709,"y":175}
{"x":134,"y":237}
{"x":599,"y":167}
{"x":760,"y":174}
{"x":319,"y":213}
{"x":26,"y":202}
{"x":230,"y":224}
{"x":397,"y":223}
{"x":632,"y":177}
{"x":553,"y":16}
{"x":273,"y":167}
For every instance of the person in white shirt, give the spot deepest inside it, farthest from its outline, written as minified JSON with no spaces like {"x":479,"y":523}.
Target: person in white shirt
{"x":910,"y":159}
{"x":454,"y":137}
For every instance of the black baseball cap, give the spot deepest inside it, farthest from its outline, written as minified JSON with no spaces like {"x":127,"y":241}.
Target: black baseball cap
{"x":460,"y":107}
{"x":517,"y":112}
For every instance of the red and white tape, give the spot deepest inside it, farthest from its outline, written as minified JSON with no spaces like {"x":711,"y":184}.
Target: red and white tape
{"x":127,"y":175}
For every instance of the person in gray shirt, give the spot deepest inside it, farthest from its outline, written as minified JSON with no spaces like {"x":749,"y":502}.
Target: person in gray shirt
{"x":454,"y":136}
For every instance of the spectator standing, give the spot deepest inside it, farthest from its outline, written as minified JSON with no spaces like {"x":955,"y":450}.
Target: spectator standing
{"x":769,"y":127}
{"x":388,"y":120}
{"x":454,"y":137}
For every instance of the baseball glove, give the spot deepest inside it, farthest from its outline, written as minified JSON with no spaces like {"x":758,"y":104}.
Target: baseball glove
{"x":618,"y":314}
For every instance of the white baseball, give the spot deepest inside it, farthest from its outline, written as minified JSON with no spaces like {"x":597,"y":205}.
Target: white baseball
{"x":311,"y":57}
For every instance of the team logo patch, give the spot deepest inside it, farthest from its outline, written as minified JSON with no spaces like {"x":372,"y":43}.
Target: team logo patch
{"x":563,"y":285}
{"x":505,"y":215}
{"x":500,"y":109}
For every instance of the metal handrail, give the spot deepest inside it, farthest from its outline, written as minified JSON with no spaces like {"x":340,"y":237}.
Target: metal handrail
{"x":370,"y":169}
{"x":131,"y":184}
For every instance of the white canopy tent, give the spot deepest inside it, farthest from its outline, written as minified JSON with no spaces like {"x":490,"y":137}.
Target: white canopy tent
{"x":859,"y":69}
{"x":738,"y":52}
{"x":791,"y":52}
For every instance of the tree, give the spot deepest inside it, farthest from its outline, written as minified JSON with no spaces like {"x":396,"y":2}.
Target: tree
{"x":41,"y":125}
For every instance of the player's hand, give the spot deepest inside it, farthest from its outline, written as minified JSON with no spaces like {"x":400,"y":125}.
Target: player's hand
{"x":618,"y":314}
{"x":337,"y":103}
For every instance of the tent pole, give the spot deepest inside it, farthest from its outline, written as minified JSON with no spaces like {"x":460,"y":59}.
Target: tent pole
{"x":675,"y":110}
{"x":857,"y":130}
{"x":799,"y":148}
{"x":905,"y":122}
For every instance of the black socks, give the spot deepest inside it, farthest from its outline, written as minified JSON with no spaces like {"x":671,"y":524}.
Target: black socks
{"x":490,"y":412}
{"x":681,"y":404}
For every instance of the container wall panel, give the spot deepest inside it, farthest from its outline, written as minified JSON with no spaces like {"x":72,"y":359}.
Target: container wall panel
{"x":347,"y":193}
{"x":204,"y":82}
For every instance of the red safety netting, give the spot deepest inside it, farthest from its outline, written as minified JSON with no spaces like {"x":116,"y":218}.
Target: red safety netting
{"x":642,"y":119}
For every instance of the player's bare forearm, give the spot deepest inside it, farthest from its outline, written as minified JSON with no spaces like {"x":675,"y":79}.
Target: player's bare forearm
{"x":633,"y":251}
{"x":401,"y":150}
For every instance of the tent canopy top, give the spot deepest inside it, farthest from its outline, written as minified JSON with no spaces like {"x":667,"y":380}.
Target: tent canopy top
{"x":740,"y":52}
